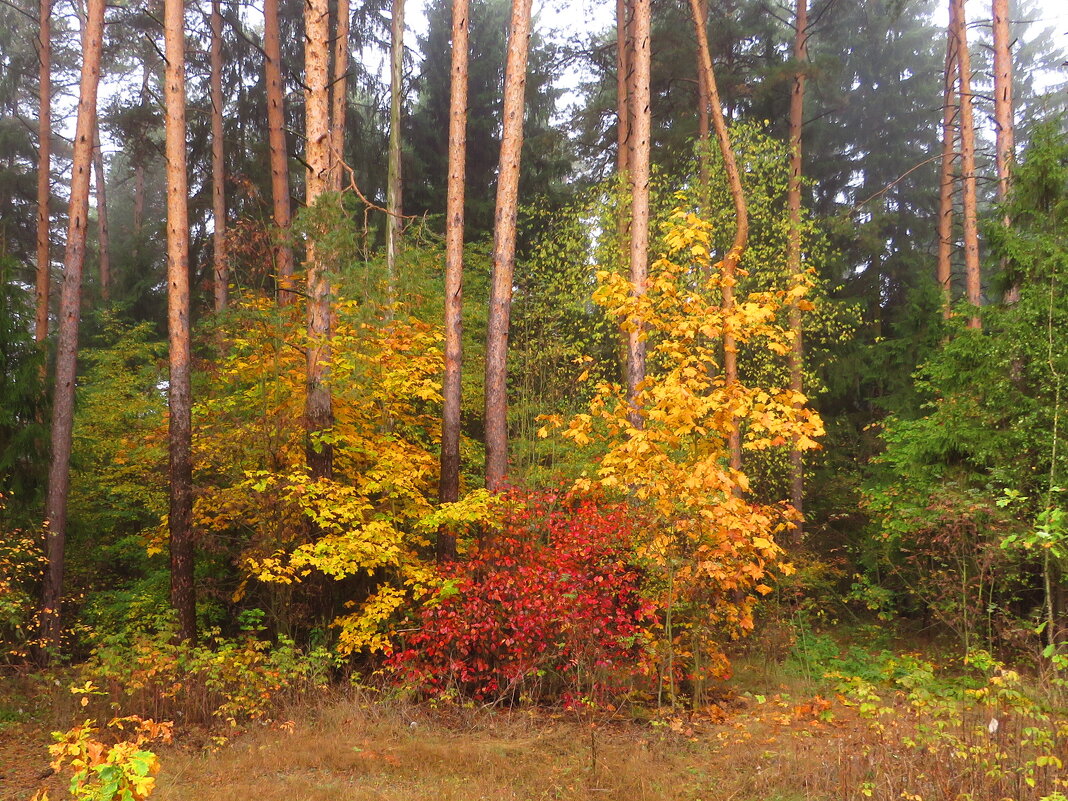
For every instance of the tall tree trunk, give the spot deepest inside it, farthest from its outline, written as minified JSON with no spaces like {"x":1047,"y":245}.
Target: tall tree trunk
{"x":1003,"y":114}
{"x":69,"y":313}
{"x":741,"y":234}
{"x":218,"y":166}
{"x":703,"y":104}
{"x":947,"y":180}
{"x":623,"y":66}
{"x":393,"y":181}
{"x":318,"y":413}
{"x":139,"y":170}
{"x":639,"y":203}
{"x":972,"y":277}
{"x":276,"y":135}
{"x":339,"y":86}
{"x":793,"y":250}
{"x":44,"y":171}
{"x":449,"y":488}
{"x":515,"y":81}
{"x":179,"y":397}
{"x":102,"y":217}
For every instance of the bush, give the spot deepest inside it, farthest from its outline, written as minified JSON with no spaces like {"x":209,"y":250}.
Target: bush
{"x":220,"y":679}
{"x":548,"y":606}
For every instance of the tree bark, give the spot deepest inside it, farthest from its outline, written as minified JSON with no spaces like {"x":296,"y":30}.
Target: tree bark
{"x":276,"y":135}
{"x":69,"y":315}
{"x":339,"y":87}
{"x":318,"y":412}
{"x":179,"y":398}
{"x":102,"y":217}
{"x":703,"y":104}
{"x":793,"y":250}
{"x":393,"y":181}
{"x":1003,"y":114}
{"x":947,"y":179}
{"x":972,"y":277}
{"x":218,"y":167}
{"x":449,"y":487}
{"x":639,"y":204}
{"x":741,"y":235}
{"x":44,"y":172}
{"x":504,"y":233}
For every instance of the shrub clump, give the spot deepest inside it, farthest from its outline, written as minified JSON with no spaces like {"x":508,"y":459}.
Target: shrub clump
{"x":548,"y":606}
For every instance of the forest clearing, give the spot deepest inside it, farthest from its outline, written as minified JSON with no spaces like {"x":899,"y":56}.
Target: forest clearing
{"x":483,"y":399}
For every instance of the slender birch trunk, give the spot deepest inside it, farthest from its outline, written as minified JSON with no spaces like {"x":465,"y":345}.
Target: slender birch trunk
{"x":139,"y":170}
{"x":972,"y":276}
{"x":179,"y":395}
{"x":504,"y":234}
{"x":393,"y":181}
{"x":641,"y":125}
{"x":318,"y":412}
{"x":276,"y":136}
{"x":67,"y":342}
{"x":623,"y":66}
{"x":741,"y":234}
{"x":44,"y":172}
{"x":793,"y":251}
{"x":947,"y":177}
{"x":449,"y":488}
{"x":218,"y":165}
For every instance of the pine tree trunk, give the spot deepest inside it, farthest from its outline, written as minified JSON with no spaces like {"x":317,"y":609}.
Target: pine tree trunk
{"x":793,"y":250}
{"x":741,"y":234}
{"x":180,"y":519}
{"x":339,"y":87}
{"x":393,"y":182}
{"x":104,"y":239}
{"x":639,"y":202}
{"x":972,"y":277}
{"x":947,"y":180}
{"x":1003,"y":114}
{"x":318,"y":413}
{"x":44,"y":172}
{"x":504,"y":233}
{"x":276,"y":135}
{"x":67,"y":342}
{"x":218,"y":167}
{"x":449,"y":488}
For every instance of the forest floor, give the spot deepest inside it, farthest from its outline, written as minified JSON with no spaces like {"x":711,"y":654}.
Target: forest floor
{"x":774,"y":733}
{"x":777,"y":746}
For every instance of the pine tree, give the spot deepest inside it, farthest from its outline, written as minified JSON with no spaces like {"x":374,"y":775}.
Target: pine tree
{"x":44,"y":170}
{"x":283,"y":251}
{"x":179,"y":393}
{"x":69,"y":316}
{"x":504,"y":242}
{"x":317,"y":410}
{"x":218,"y":166}
{"x":449,"y":488}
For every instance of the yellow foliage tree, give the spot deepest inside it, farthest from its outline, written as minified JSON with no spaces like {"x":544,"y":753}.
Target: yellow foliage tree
{"x":369,"y":522}
{"x":711,"y":550}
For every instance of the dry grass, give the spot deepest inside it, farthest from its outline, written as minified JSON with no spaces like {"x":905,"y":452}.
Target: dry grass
{"x":347,"y":750}
{"x":791,"y":745}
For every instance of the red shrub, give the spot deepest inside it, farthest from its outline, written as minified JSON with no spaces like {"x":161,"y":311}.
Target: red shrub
{"x":548,"y":605}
